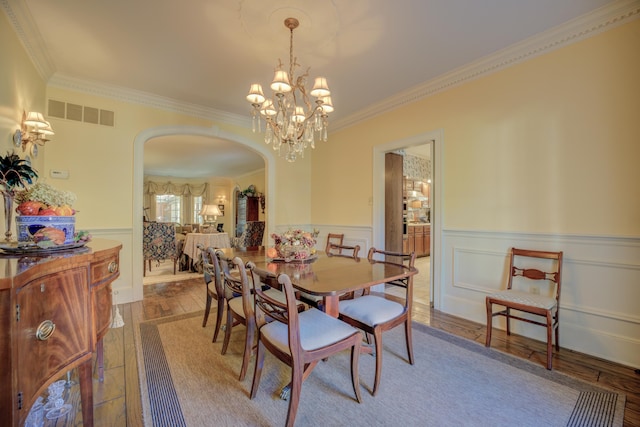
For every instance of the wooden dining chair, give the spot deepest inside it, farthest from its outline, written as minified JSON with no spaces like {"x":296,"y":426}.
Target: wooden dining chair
{"x":300,"y":340}
{"x":334,"y":238}
{"x":240,"y":306}
{"x":375,"y":314}
{"x":543,"y":304}
{"x":332,"y":249}
{"x":239,"y":311}
{"x":213,"y":274}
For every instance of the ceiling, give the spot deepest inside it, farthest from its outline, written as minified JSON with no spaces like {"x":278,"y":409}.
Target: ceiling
{"x":206,"y":53}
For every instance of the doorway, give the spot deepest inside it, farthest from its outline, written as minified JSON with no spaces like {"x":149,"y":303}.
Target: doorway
{"x":416,"y":214}
{"x":427,"y":281}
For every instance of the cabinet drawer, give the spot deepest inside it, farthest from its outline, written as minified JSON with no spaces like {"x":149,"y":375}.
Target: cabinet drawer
{"x":51,"y":332}
{"x":105,"y":269}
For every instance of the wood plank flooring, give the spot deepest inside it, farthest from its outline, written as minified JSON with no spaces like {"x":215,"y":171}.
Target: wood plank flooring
{"x":118,"y":401}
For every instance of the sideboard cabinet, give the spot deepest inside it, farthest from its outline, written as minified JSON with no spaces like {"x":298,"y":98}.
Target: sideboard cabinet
{"x":55,"y":309}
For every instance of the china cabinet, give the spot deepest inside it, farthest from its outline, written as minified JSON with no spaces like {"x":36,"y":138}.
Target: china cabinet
{"x":246,"y":210}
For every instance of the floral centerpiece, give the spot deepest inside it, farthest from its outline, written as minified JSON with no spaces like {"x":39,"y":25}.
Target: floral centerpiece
{"x":293,"y":244}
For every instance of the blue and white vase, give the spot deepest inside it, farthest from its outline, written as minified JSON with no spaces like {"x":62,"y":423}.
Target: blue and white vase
{"x":28,"y":225}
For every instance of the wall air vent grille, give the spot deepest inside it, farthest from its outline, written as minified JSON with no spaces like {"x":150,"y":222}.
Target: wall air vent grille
{"x":74,"y":112}
{"x":91,"y":115}
{"x":81,"y":113}
{"x":107,"y":118}
{"x":56,"y":108}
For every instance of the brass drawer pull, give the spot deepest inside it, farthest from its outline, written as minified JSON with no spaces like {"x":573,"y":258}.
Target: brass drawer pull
{"x":113,"y":267}
{"x":45,"y":330}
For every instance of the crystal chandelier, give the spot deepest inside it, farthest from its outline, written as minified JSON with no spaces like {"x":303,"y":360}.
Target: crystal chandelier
{"x":292,"y":122}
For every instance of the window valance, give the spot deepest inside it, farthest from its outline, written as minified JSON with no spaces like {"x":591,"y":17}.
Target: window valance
{"x":152,"y":188}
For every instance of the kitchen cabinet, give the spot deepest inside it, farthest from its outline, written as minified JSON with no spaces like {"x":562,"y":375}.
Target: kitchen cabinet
{"x":55,"y":309}
{"x":418,"y":239}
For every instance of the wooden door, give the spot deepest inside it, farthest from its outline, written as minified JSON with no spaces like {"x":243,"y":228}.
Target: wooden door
{"x":253,"y":214}
{"x":393,"y":202}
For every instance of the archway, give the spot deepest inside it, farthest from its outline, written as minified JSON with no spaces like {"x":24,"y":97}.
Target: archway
{"x":138,"y":177}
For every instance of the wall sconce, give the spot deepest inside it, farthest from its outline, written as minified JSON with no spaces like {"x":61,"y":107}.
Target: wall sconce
{"x":263,"y":201}
{"x":34,"y":129}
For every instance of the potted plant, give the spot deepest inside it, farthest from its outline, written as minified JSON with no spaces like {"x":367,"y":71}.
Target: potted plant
{"x":15,"y":173}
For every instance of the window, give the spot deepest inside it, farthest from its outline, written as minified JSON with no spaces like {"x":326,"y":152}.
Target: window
{"x":197,"y":207}
{"x":168,"y":208}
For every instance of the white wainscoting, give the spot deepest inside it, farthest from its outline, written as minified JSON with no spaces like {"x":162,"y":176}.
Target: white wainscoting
{"x":123,"y":287}
{"x":353,"y":235}
{"x":600,"y":299}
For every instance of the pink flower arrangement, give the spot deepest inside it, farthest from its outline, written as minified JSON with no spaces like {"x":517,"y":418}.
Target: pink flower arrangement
{"x":295,"y":243}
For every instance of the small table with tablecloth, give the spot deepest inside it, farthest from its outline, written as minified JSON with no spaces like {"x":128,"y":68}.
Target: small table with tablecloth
{"x":192,"y":240}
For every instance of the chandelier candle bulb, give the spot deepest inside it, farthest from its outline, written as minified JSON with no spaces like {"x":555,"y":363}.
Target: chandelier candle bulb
{"x":292,"y":119}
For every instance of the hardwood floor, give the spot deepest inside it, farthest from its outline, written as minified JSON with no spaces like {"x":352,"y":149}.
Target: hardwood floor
{"x":117,"y":400}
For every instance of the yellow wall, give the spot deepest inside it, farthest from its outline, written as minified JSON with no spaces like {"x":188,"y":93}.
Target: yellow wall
{"x":21,"y":88}
{"x":548,"y":145}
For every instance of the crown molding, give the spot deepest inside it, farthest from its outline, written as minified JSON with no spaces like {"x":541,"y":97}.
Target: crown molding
{"x":147,"y":99}
{"x":30,"y":38}
{"x":603,"y":19}
{"x":591,"y":24}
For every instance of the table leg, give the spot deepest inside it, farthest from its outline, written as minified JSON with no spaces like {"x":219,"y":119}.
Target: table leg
{"x":86,"y":392}
{"x":100,"y":360}
{"x":331,"y":305}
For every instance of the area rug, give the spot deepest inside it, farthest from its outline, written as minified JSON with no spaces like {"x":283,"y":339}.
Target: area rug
{"x":185,"y":381}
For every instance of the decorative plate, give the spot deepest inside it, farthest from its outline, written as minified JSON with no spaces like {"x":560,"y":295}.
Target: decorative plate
{"x":32,"y":248}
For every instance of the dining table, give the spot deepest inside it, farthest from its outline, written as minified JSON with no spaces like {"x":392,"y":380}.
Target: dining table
{"x":325,"y":275}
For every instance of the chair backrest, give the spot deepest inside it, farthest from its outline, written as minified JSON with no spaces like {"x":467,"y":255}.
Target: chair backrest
{"x":159,"y":240}
{"x":397,"y":258}
{"x":212,"y":269}
{"x":261,"y":277}
{"x":271,"y":308}
{"x":333,"y":238}
{"x":253,"y":233}
{"x":343,"y":250}
{"x":527,"y":258}
{"x":408,"y":259}
{"x":239,"y":285}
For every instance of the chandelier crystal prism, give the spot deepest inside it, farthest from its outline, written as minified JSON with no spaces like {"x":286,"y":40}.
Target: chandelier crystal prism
{"x":292,"y":122}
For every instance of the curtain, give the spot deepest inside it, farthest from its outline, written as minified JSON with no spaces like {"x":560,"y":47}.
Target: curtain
{"x":187,"y":191}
